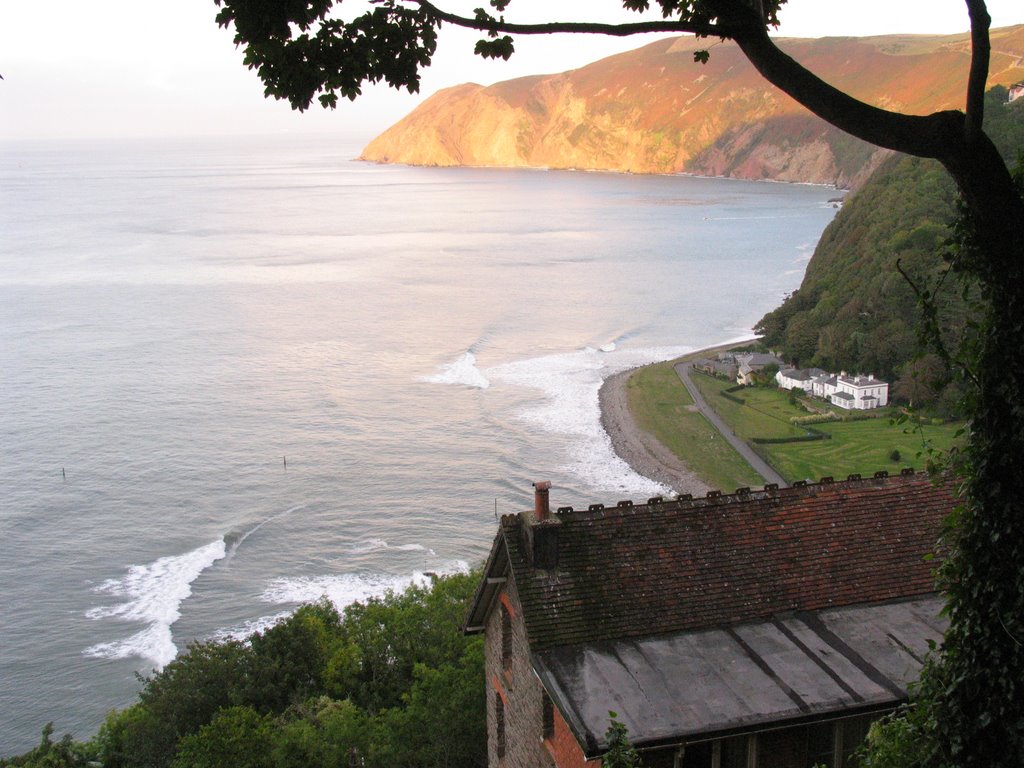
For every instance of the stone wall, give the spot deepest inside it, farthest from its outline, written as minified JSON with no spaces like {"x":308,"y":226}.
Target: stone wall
{"x":518,"y":687}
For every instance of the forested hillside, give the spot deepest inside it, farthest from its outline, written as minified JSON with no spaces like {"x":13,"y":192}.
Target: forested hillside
{"x":854,"y":310}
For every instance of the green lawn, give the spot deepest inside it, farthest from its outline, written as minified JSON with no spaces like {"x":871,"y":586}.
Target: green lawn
{"x":856,"y":447}
{"x":861,"y":447}
{"x":766,"y":412}
{"x":661,"y":405}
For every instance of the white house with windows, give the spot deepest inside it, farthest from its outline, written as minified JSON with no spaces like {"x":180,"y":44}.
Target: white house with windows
{"x":799,"y":378}
{"x":825,"y":386}
{"x":858,"y":393}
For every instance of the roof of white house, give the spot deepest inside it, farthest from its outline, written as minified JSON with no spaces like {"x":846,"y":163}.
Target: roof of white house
{"x":863,"y":381}
{"x":796,"y":374}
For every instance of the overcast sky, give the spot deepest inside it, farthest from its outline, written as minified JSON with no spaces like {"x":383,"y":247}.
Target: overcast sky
{"x":88,"y":68}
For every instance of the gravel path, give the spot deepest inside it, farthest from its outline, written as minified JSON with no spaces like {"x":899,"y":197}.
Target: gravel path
{"x":760,"y":466}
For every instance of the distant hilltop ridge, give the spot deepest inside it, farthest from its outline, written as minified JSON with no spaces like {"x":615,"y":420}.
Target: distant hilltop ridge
{"x":653,"y":110}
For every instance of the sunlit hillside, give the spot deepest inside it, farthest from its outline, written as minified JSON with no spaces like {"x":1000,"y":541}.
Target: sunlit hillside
{"x":654,"y":110}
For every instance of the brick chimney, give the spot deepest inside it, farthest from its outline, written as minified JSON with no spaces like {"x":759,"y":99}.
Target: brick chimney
{"x":541,"y":505}
{"x":542,"y":532}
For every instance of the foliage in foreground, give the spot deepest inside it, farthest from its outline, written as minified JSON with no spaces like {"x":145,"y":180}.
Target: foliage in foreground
{"x":621,"y":753}
{"x":393,"y":679}
{"x":970,"y":699}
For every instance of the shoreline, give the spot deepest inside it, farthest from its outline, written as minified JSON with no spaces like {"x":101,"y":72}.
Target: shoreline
{"x":642,"y":451}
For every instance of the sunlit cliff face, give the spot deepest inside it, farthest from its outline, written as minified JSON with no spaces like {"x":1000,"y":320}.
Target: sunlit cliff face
{"x":654,"y":111}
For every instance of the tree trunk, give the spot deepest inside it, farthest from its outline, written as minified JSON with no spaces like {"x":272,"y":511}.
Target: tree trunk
{"x":981,"y":714}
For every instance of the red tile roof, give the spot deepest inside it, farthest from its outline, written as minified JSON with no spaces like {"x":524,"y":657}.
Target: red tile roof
{"x":677,"y":566}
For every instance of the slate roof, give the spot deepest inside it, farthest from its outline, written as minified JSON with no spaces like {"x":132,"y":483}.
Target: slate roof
{"x":693,"y":564}
{"x":863,"y":381}
{"x":716,"y":682}
{"x":796,"y":374}
{"x":759,"y":359}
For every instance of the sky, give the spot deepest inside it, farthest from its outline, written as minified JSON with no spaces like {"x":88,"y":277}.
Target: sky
{"x":127,"y":68}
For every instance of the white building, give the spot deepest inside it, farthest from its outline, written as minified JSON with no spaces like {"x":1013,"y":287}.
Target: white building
{"x":860,"y":393}
{"x":824,"y":386}
{"x":798,"y":378}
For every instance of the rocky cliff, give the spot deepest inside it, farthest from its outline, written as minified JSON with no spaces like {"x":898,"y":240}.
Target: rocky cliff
{"x":654,"y":110}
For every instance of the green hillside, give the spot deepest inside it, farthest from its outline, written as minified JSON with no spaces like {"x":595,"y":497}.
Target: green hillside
{"x":854,"y":311}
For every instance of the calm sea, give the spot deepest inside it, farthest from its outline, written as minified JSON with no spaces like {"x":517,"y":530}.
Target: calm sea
{"x":239,"y":375}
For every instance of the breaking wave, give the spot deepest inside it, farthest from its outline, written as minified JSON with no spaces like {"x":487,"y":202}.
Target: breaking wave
{"x":461,"y":371}
{"x":152,"y":595}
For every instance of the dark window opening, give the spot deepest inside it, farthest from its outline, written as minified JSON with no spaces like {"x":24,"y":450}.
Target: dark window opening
{"x":547,"y":716}
{"x":698,"y":755}
{"x":854,"y":733}
{"x":506,"y":638}
{"x":734,"y":752}
{"x":821,"y":745}
{"x":499,"y":725}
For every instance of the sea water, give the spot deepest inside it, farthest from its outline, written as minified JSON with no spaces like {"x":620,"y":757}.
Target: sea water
{"x":236,"y":376}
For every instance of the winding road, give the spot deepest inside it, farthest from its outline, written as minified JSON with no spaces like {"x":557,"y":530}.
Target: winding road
{"x":683,"y":370}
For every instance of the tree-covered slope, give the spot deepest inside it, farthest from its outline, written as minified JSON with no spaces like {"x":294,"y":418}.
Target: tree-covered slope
{"x":389,"y":682}
{"x":854,"y":310}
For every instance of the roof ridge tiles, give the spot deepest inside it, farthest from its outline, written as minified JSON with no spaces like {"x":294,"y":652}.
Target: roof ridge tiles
{"x":681,"y":564}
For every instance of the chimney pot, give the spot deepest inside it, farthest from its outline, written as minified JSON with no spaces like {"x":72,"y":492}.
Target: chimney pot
{"x":541,"y":507}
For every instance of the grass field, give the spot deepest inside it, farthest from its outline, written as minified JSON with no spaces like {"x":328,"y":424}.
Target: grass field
{"x":861,"y":447}
{"x":764,"y":414}
{"x":661,"y":405}
{"x":855,"y":447}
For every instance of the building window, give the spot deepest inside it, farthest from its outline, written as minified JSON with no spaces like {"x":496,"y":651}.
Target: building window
{"x":733,"y":752}
{"x":499,"y":725}
{"x":698,"y":755}
{"x":852,"y":734}
{"x":821,"y":745}
{"x":547,"y":716}
{"x":506,"y":638}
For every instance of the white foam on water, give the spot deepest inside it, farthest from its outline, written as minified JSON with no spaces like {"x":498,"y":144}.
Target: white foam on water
{"x":347,"y":588}
{"x":570,"y":383}
{"x":368,"y":546}
{"x":461,"y":371}
{"x":341,"y":589}
{"x":153,"y":595}
{"x":248,"y":628}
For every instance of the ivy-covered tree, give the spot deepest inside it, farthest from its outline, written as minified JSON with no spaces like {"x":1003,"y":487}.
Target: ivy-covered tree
{"x":302,"y":51}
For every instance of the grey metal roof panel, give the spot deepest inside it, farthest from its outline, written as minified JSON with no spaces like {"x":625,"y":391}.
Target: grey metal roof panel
{"x":680,"y":686}
{"x":893,"y":637}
